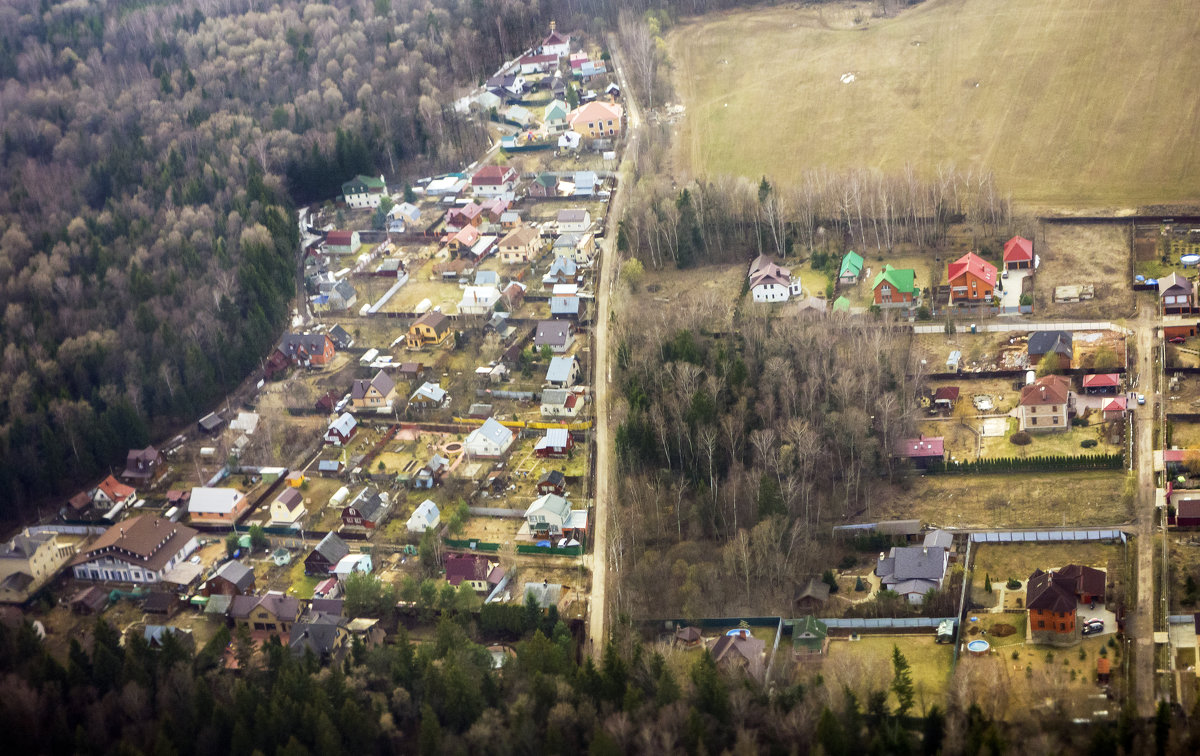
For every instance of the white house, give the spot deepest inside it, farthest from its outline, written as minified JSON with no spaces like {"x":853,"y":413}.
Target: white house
{"x":490,"y":440}
{"x":352,"y":563}
{"x":555,"y":117}
{"x":556,"y":44}
{"x":216,"y":505}
{"x":288,"y":508}
{"x":551,"y":513}
{"x":569,"y":140}
{"x":560,"y":403}
{"x":138,"y":550}
{"x":429,"y":395}
{"x":574,"y":221}
{"x":425,"y":517}
{"x":478,"y":300}
{"x":403,"y":217}
{"x":770,"y":282}
{"x":563,"y":372}
{"x":363,"y":191}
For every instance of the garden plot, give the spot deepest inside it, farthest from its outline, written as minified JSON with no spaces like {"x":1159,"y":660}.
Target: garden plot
{"x":994,"y":427}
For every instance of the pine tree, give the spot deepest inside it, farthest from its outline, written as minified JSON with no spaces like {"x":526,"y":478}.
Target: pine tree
{"x":902,"y":684}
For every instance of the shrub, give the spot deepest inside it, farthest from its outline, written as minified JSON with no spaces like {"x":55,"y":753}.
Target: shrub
{"x":1016,"y":655}
{"x":1013,"y":584}
{"x":1089,"y":443}
{"x":1079,"y":422}
{"x":1020,"y":438}
{"x":847,"y":562}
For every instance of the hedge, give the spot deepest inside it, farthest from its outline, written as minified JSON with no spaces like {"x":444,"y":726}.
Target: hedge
{"x":1029,"y":464}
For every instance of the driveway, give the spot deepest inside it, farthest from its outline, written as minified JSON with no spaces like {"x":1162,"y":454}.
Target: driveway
{"x":1011,"y":296}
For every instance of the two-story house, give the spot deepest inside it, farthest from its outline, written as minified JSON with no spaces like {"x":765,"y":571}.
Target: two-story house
{"x":971,"y":279}
{"x":431,"y":329}
{"x":1045,"y":404}
{"x":137,"y":550}
{"x":520,"y":246}
{"x":377,"y":393}
{"x":28,"y":561}
{"x":273,"y":612}
{"x":366,"y":511}
{"x":364,"y":191}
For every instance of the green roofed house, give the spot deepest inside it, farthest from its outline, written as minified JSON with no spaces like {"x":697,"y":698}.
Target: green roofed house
{"x":545,"y":185}
{"x":841,"y":304}
{"x":851,"y":268}
{"x":810,"y":638}
{"x":363,"y":191}
{"x":893,"y":287}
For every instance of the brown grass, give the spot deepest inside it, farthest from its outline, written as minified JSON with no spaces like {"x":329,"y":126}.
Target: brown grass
{"x":1083,"y":254}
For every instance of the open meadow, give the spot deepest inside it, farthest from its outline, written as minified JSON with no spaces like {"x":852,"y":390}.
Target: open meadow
{"x":1069,"y":104}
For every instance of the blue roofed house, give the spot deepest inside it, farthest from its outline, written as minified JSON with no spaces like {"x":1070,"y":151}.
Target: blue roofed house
{"x":913,"y":571}
{"x":565,"y":307}
{"x":563,"y":372}
{"x":564,"y":270}
{"x":491,"y":440}
{"x":586,"y":183}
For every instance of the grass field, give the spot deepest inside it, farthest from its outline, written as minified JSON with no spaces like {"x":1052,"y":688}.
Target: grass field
{"x":1069,"y":104}
{"x":1011,"y":501}
{"x":930,"y":663}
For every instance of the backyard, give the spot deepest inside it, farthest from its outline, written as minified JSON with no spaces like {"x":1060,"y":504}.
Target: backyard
{"x":999,"y":562}
{"x":869,"y":660}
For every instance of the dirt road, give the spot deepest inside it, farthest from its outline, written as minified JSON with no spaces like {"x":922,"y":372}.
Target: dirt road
{"x":1140,"y":625}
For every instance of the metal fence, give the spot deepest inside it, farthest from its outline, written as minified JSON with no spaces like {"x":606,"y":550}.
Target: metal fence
{"x":1081,"y":325}
{"x":1049,"y":536}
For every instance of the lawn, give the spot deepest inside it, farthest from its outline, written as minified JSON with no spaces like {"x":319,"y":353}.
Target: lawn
{"x":302,"y":585}
{"x":1027,"y":500}
{"x":930,"y":663}
{"x":1185,"y":435}
{"x":1077,"y":105}
{"x":1054,"y":443}
{"x":1019,"y":560}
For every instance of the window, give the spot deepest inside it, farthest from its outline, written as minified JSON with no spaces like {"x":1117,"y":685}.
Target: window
{"x":1041,"y":624}
{"x":1033,"y":420}
{"x":1062,"y":626}
{"x":1056,"y":419}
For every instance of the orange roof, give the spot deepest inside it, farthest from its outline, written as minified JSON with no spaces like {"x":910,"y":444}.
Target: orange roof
{"x":973,"y":264}
{"x":1017,"y":249}
{"x":1103,"y":665}
{"x":595,"y":111}
{"x":115,"y":490}
{"x":1052,"y":389}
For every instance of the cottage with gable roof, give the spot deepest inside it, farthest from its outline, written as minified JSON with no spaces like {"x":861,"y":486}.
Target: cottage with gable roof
{"x":1045,"y":404}
{"x":431,"y":329}
{"x":378,"y":392}
{"x":143,"y":466}
{"x":1056,"y":345}
{"x":429,"y":396}
{"x":341,"y":430}
{"x":520,"y":246}
{"x":563,"y":372}
{"x":913,"y":571}
{"x":364,"y":191}
{"x":971,"y":279}
{"x":490,"y":441}
{"x":138,"y":550}
{"x":231,"y":579}
{"x":1018,"y":254}
{"x":367,"y":511}
{"x":559,"y":335}
{"x":325,"y":556}
{"x":287,"y":510}
{"x":894,"y":287}
{"x":424,"y":517}
{"x":560,"y":403}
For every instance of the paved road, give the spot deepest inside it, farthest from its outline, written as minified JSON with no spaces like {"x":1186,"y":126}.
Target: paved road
{"x":1141,"y":625}
{"x":598,"y":606}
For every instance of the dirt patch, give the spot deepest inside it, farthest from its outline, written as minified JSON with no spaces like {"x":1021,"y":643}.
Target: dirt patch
{"x":1097,"y":254}
{"x":1003,"y":630}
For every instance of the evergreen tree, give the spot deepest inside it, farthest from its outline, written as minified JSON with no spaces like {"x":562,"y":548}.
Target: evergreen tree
{"x":902,"y":684}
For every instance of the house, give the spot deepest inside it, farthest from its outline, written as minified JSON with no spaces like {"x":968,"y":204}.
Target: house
{"x":563,"y":372}
{"x":688,"y":637}
{"x":352,"y":563}
{"x":143,"y":466}
{"x":556,"y":443}
{"x":376,"y":393}
{"x":231,"y":579}
{"x":490,"y":440}
{"x":851,"y":269}
{"x":810,"y":637}
{"x":770,"y":282}
{"x":520,"y":246}
{"x":367,"y":631}
{"x":573,"y":220}
{"x":945,"y":398}
{"x":560,"y":403}
{"x":921,"y":451}
{"x":341,"y":430}
{"x":531,"y":64}
{"x":545,"y":185}
{"x":492,"y":209}
{"x":28,"y":561}
{"x":564,"y":270}
{"x":912,"y":571}
{"x":554,"y":118}
{"x":971,"y":279}
{"x":341,"y":297}
{"x":429,"y":396}
{"x":1089,"y":584}
{"x":272,"y":612}
{"x":578,"y":247}
{"x":1044,"y":404}
{"x":513,"y":295}
{"x":893,"y":287}
{"x":364,"y":191}
{"x":519,"y":115}
{"x":493,"y":181}
{"x":1114,"y":409}
{"x":552,"y":482}
{"x":556,"y":44}
{"x":1186,"y":504}
{"x":288,"y":508}
{"x":368,"y":510}
{"x":411,"y":371}
{"x":432,"y":473}
{"x":323,"y":635}
{"x":137,"y":550}
{"x":217,"y":506}
{"x":478,"y":300}
{"x":431,"y":329}
{"x":556,"y":334}
{"x":812,"y":595}
{"x":1055,"y":343}
{"x":741,"y":652}
{"x":464,"y":240}
{"x":1051,"y":603}
{"x":510,"y":219}
{"x":1177,"y":295}
{"x":587,"y":183}
{"x":569,"y":141}
{"x":112,"y":492}
{"x":458,"y":218}
{"x":507,"y":85}
{"x":325,"y":555}
{"x":588,"y":69}
{"x":329,"y":468}
{"x":552,"y":514}
{"x":1018,"y":254}
{"x":92,"y":600}
{"x":342,"y":243}
{"x":408,"y":215}
{"x":476,"y":570}
{"x":156,"y":636}
{"x":1101,"y":383}
{"x":596,"y":119}
{"x":210,"y":424}
{"x":424,"y":517}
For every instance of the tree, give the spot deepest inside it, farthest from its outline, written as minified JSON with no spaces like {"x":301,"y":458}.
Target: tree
{"x":633,"y":272}
{"x":902,"y":684}
{"x":231,"y":544}
{"x":258,"y":538}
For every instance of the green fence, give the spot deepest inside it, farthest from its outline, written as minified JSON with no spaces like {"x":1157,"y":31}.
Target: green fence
{"x":522,"y":548}
{"x":1029,"y":465}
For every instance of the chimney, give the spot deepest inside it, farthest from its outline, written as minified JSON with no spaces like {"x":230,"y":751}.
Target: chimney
{"x":881,"y":556}
{"x":925,"y":550}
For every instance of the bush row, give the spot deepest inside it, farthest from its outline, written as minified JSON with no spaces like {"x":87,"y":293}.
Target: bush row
{"x":1030,"y":464}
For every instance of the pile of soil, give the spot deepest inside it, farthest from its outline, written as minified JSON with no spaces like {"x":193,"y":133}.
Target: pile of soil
{"x":1003,"y":630}
{"x":973,"y":630}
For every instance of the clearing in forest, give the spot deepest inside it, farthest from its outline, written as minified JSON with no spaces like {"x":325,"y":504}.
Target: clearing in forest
{"x":1069,"y":104}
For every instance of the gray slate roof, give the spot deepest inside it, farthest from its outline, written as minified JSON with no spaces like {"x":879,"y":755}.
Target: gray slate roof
{"x":332,"y":547}
{"x":237,"y":573}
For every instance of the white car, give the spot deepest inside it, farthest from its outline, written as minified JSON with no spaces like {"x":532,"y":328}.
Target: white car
{"x":195,"y":560}
{"x":1141,"y":398}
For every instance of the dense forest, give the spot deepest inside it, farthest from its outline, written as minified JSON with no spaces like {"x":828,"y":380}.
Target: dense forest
{"x":153,"y":154}
{"x":442,"y":696}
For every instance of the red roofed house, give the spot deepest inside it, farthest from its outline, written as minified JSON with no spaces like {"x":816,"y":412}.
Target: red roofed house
{"x":493,"y":180}
{"x":1018,"y":254}
{"x":945,"y":398}
{"x":1187,"y":508}
{"x":342,"y":242}
{"x":556,"y":44}
{"x":1044,"y":404}
{"x":538,"y":63}
{"x":1114,"y":409}
{"x":920,"y":451}
{"x":464,"y":239}
{"x":475,"y":569}
{"x":971,"y":279}
{"x":1101,"y":383}
{"x":1087,"y":583}
{"x":596,"y":119}
{"x":112,"y":492}
{"x":469,"y":214}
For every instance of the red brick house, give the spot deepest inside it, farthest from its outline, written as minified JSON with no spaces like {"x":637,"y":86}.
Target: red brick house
{"x":971,"y":278}
{"x":1051,"y":603}
{"x":1018,"y":254}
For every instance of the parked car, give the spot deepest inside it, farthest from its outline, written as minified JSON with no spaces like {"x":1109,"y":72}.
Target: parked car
{"x":1093,"y":626}
{"x":1141,"y":398}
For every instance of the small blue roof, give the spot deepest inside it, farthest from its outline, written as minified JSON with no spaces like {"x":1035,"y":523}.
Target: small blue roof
{"x":560,"y":370}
